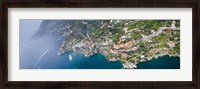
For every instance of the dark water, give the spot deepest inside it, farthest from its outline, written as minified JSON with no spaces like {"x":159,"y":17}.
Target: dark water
{"x":164,"y":62}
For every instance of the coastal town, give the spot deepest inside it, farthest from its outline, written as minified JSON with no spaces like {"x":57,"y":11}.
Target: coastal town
{"x":128,"y":41}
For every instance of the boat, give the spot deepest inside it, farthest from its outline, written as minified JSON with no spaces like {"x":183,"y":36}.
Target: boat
{"x":70,"y":57}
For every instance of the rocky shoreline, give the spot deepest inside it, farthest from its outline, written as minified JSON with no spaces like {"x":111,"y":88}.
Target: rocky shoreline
{"x":129,"y":48}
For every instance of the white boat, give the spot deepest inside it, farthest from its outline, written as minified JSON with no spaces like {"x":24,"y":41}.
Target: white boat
{"x":70,"y":57}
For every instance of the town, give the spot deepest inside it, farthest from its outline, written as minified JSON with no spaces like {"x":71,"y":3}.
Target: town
{"x":128,"y":41}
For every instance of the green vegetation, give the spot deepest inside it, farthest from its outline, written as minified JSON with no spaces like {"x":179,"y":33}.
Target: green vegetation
{"x":138,"y":24}
{"x":150,"y":38}
{"x":136,"y":35}
{"x":98,"y":32}
{"x":119,"y":25}
{"x":141,"y":44}
{"x":116,"y":38}
{"x":177,"y":48}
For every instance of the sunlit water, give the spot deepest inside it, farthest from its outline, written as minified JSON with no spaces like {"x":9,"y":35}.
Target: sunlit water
{"x":41,"y":52}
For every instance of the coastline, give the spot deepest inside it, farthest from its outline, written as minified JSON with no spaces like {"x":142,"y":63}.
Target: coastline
{"x":170,"y":55}
{"x":130,"y":65}
{"x":131,"y":49}
{"x":156,"y":57}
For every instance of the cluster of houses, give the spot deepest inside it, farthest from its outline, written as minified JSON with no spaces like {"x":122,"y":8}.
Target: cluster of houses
{"x":124,"y":45}
{"x":123,"y":48}
{"x":171,"y":44}
{"x":129,"y":65}
{"x":86,"y":46}
{"x":63,"y":48}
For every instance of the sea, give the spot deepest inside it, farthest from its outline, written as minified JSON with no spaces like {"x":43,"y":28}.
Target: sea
{"x":163,"y":62}
{"x":42,"y":53}
{"x":98,"y":61}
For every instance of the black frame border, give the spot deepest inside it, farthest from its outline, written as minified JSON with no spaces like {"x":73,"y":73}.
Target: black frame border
{"x":194,"y":4}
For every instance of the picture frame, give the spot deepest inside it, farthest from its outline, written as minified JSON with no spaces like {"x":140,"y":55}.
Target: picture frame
{"x":194,"y":4}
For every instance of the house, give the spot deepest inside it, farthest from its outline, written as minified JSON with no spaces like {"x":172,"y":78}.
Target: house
{"x":142,"y":56}
{"x":122,"y":38}
{"x":129,"y":44}
{"x":104,"y":43}
{"x":110,"y":41}
{"x":116,"y":46}
{"x":134,"y":49}
{"x":124,"y":55}
{"x":171,"y":44}
{"x":113,"y":51}
{"x":125,"y":29}
{"x":168,"y":30}
{"x":173,"y":26}
{"x":122,"y":45}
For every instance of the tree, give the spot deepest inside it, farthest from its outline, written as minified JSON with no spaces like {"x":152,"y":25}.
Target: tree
{"x":115,"y":38}
{"x":141,"y":44}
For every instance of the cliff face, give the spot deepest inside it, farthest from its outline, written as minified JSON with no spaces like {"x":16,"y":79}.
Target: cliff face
{"x":57,"y":28}
{"x":69,"y":30}
{"x":52,"y":27}
{"x":68,"y":33}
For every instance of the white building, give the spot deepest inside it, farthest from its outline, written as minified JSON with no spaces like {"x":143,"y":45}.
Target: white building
{"x":171,"y":44}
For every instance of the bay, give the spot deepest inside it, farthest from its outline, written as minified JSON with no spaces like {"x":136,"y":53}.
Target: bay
{"x":41,"y":53}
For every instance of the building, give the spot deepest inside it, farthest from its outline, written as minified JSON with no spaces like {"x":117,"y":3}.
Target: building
{"x":124,"y":55}
{"x":125,"y":29}
{"x":116,"y":46}
{"x":142,"y":56}
{"x":171,"y":44}
{"x":173,"y":26}
{"x":168,"y":30}
{"x":104,"y":43}
{"x":129,"y":44}
{"x":122,"y":38}
{"x":134,"y":48}
{"x":122,"y":45}
{"x":113,"y":51}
